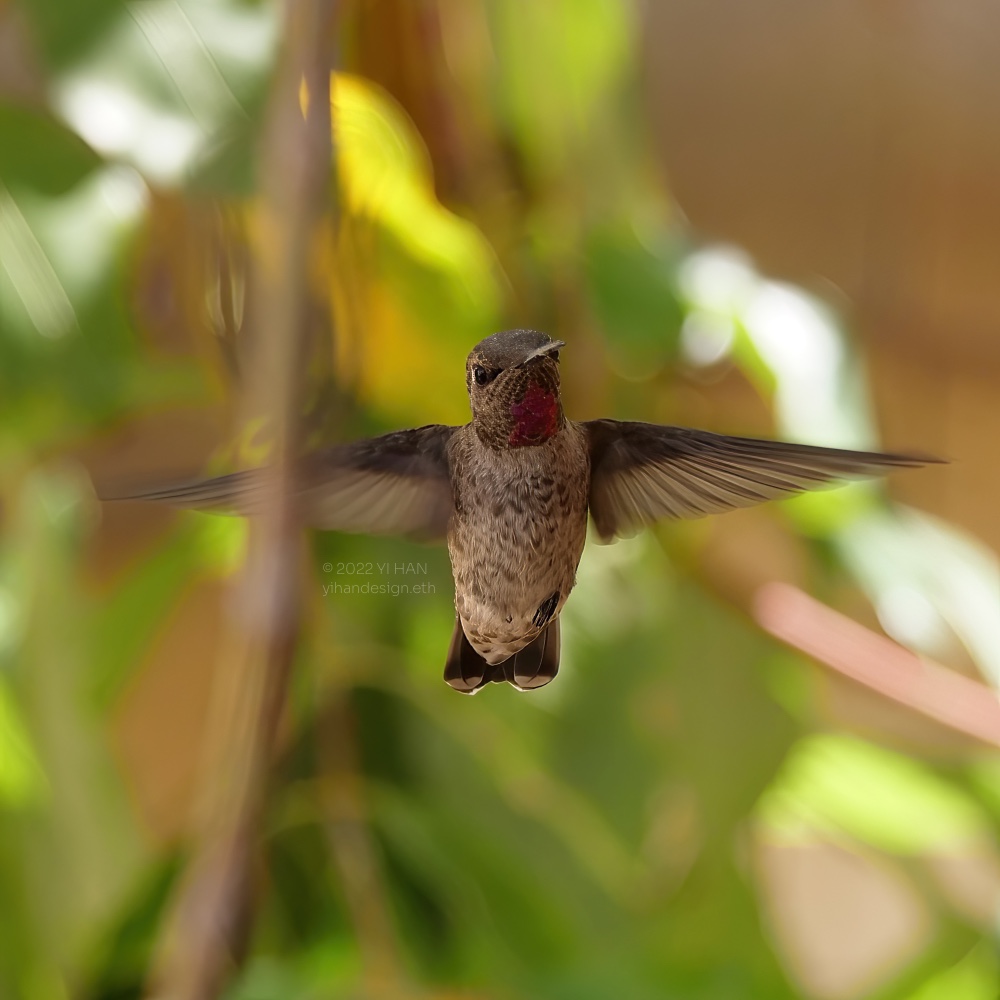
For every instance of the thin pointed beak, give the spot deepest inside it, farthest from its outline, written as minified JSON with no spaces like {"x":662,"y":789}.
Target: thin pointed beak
{"x":540,"y":352}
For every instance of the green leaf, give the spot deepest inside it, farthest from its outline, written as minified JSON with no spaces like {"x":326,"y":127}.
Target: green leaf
{"x":22,"y":780}
{"x":41,"y":154}
{"x":157,"y":84}
{"x":385,"y":175}
{"x":633,"y":295}
{"x":973,"y":978}
{"x":836,"y":783}
{"x":558,"y":62}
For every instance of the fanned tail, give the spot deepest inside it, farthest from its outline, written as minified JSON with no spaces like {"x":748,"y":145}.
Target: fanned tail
{"x":531,"y":668}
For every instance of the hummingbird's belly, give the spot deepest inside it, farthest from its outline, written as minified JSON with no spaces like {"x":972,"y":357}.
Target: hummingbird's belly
{"x":515,"y":543}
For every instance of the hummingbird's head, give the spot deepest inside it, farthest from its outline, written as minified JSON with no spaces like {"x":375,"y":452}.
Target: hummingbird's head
{"x":513,"y":382}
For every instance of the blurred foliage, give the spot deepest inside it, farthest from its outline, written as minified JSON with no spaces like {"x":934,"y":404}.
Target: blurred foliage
{"x":606,"y":837}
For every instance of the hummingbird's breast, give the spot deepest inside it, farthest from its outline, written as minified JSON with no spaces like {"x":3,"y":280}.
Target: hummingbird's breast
{"x":516,"y":536}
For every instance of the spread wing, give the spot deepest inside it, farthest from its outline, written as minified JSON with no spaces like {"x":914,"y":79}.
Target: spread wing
{"x":643,"y":472}
{"x":396,"y":484}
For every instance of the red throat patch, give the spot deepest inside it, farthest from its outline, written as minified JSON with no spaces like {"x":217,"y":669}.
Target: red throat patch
{"x":536,"y":417}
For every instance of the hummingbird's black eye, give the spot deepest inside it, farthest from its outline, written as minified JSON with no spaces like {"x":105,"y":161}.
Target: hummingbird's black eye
{"x":481,"y":375}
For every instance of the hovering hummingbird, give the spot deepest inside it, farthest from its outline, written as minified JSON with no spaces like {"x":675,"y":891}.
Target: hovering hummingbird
{"x":511,"y":492}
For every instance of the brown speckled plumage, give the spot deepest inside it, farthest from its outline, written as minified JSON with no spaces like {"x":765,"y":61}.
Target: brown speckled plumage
{"x":517,"y":533}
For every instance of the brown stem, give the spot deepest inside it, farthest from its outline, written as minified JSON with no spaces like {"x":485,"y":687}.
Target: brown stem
{"x":209,"y":925}
{"x":879,"y":663}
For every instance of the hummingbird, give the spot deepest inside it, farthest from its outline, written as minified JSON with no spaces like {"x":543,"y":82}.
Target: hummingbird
{"x":511,"y":491}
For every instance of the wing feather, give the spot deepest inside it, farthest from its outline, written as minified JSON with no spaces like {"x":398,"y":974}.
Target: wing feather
{"x":394,"y":484}
{"x":643,"y":472}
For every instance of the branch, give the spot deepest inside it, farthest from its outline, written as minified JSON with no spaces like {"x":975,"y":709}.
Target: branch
{"x":210,"y":923}
{"x":943,"y":695}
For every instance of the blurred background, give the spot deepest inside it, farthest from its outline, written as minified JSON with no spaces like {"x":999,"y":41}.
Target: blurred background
{"x":762,"y":218}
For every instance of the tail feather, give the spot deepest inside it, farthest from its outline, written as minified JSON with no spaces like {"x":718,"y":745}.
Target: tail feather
{"x":533,"y":667}
{"x":536,"y":664}
{"x":465,"y":670}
